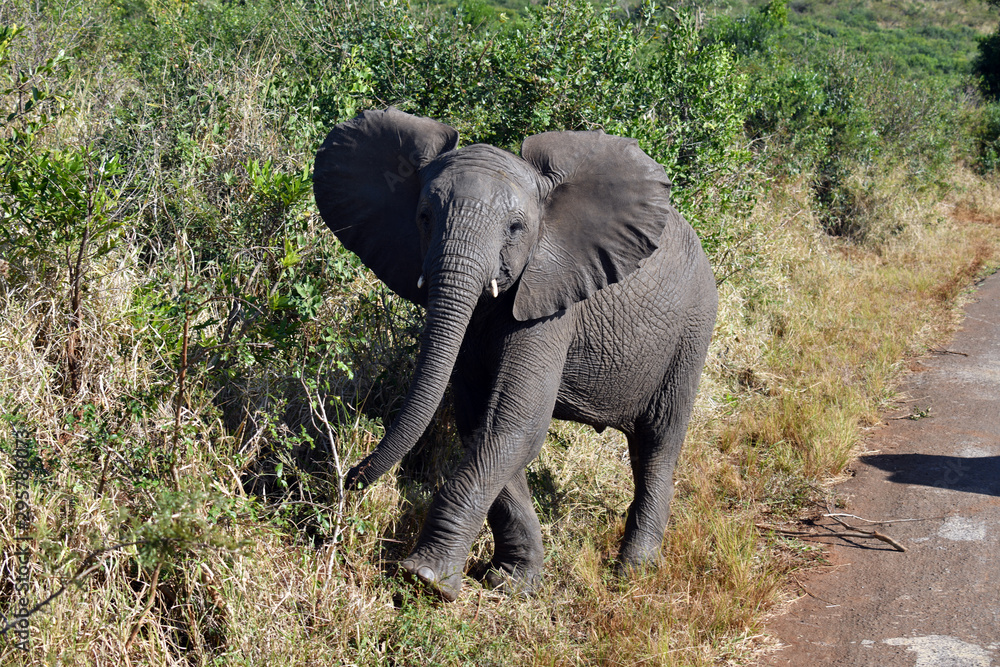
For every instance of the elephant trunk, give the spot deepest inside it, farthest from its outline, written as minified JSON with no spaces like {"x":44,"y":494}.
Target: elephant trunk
{"x":454,"y":288}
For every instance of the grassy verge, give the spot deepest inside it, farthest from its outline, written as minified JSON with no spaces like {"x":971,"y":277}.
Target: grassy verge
{"x":193,"y":361}
{"x":791,"y":385}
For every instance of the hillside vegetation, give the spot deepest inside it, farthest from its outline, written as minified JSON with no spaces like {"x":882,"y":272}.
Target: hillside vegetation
{"x":190,"y":362}
{"x":919,"y":40}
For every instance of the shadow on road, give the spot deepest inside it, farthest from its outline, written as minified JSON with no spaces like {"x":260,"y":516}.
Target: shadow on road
{"x":972,"y":475}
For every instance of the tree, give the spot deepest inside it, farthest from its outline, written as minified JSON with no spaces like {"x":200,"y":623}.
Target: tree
{"x":986,"y":65}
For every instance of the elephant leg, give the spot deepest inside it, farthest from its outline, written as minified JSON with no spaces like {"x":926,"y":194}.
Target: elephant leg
{"x":517,"y":538}
{"x":654,"y":447}
{"x":458,"y":512}
{"x":517,"y":533}
{"x":443,"y":572}
{"x":652,"y":469}
{"x":509,"y":435}
{"x":461,"y":507}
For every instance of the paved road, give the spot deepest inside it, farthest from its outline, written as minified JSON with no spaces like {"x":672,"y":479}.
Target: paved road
{"x":937,"y":604}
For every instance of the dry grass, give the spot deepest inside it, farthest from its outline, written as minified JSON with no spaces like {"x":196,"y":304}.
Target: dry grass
{"x":232,"y":562}
{"x":794,"y":377}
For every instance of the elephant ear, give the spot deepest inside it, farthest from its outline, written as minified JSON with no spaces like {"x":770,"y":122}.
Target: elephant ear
{"x":367,"y":185}
{"x":605,"y":208}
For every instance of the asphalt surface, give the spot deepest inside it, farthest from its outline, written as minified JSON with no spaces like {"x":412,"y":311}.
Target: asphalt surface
{"x":934,"y":468}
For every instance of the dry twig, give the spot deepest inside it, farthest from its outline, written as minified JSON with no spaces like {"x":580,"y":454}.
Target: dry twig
{"x":868,"y":533}
{"x":853,"y":532}
{"x":939,"y":351}
{"x":882,"y":521}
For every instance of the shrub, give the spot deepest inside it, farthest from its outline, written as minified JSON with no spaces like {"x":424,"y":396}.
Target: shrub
{"x":988,"y":138}
{"x":567,"y":65}
{"x":986,"y":64}
{"x":844,"y":120}
{"x":753,"y":33}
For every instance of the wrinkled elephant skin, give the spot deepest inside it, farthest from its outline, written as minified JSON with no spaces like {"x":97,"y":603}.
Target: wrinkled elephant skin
{"x":559,"y":283}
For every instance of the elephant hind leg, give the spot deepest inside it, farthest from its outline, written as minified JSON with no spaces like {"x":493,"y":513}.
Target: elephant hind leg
{"x":653,"y":452}
{"x":517,"y":535}
{"x":654,"y":445}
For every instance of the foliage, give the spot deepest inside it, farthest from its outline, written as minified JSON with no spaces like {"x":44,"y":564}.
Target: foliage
{"x":988,"y":138}
{"x":986,"y":64}
{"x":203,"y":361}
{"x":754,"y":32}
{"x":871,"y":119}
{"x":840,"y":118}
{"x":566,"y":65}
{"x":694,"y":126}
{"x":933,"y":40}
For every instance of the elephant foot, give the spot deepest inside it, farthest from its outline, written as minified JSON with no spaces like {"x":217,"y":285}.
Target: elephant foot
{"x":634,"y":557}
{"x":513,"y":579}
{"x":443,"y":579}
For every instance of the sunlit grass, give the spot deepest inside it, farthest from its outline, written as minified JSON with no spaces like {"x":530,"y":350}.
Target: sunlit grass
{"x":791,"y":385}
{"x":249,"y":554}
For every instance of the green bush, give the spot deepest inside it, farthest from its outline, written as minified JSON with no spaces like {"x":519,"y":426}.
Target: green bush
{"x":840,"y":116}
{"x":754,"y":32}
{"x":988,"y":138}
{"x":567,"y":65}
{"x":986,"y":64}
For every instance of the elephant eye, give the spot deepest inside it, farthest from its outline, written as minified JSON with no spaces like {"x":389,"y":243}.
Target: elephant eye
{"x":424,"y":220}
{"x":516,"y":226}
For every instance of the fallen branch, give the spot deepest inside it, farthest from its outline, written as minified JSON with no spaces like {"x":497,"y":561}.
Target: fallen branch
{"x":868,"y":533}
{"x":854,"y":532}
{"x":859,"y":518}
{"x":937,"y":351}
{"x":796,"y":533}
{"x":914,"y":416}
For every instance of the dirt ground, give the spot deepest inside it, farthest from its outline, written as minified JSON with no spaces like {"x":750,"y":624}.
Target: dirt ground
{"x":934,"y":469}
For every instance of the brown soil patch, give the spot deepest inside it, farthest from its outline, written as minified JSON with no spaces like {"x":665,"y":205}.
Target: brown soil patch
{"x":967,"y":215}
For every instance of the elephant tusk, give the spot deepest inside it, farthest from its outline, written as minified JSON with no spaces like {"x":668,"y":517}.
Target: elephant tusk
{"x":496,"y":290}
{"x":420,"y":281}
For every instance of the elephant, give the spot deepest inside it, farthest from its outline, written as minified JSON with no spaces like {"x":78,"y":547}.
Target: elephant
{"x":558,"y":284}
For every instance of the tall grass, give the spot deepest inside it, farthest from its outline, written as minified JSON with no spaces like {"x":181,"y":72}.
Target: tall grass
{"x":234,"y":359}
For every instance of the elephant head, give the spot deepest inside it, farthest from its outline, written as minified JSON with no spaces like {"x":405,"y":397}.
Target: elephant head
{"x":446,"y":227}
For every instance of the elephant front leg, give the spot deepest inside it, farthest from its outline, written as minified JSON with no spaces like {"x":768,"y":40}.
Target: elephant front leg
{"x":503,"y":430}
{"x":517,"y":535}
{"x":516,"y":566}
{"x":459,"y":511}
{"x":439,"y":558}
{"x":490,"y":481}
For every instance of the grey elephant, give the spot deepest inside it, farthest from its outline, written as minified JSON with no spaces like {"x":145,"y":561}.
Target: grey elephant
{"x":561,"y":283}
